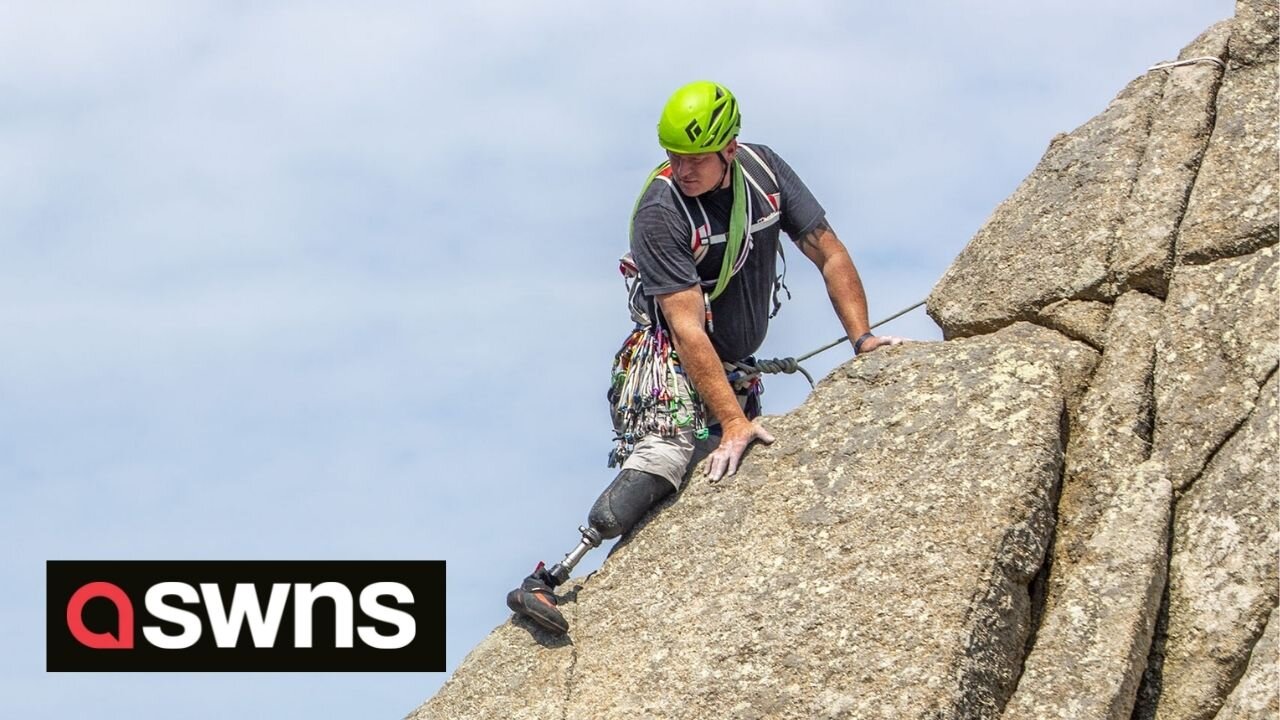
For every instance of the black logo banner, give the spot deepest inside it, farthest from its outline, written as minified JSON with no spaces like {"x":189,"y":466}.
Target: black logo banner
{"x":254,"y":615}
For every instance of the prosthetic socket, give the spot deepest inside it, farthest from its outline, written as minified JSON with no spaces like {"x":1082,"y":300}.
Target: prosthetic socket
{"x":631,"y":494}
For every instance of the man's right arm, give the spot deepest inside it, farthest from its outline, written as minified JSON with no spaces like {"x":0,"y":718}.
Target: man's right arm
{"x":685,"y":316}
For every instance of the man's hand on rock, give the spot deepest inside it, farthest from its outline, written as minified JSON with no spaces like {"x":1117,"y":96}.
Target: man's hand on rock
{"x":738,"y":434}
{"x":877,"y":341}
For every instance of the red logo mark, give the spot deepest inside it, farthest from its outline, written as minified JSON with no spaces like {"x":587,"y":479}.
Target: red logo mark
{"x":123,"y":639}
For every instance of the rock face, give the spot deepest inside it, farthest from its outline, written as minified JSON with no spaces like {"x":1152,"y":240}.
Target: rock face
{"x":1143,"y":253}
{"x":1223,"y":581}
{"x":1070,"y":509}
{"x":1233,"y":206}
{"x":1217,"y":346}
{"x":1182,"y":166}
{"x":1096,"y":635}
{"x":1069,"y":209}
{"x":1256,"y":696}
{"x":828,"y":579}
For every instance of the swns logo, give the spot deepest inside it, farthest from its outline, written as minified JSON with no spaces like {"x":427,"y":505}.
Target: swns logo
{"x":143,"y":615}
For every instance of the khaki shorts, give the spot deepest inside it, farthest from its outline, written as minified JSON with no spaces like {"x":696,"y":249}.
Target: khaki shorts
{"x":674,"y":456}
{"x":671,"y":456}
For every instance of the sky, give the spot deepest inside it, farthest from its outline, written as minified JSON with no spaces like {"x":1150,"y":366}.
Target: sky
{"x":338,"y":280}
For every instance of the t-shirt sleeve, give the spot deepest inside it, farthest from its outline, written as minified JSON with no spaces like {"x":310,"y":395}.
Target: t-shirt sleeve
{"x":800,"y":209}
{"x":660,"y":248}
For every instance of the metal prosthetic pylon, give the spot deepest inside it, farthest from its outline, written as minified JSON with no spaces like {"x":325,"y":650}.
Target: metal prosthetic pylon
{"x":590,"y":539}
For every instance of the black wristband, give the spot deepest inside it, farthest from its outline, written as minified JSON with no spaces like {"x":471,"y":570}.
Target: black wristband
{"x":857,"y":344}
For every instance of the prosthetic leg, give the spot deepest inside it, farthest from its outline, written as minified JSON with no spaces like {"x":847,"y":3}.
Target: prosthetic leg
{"x":631,"y":494}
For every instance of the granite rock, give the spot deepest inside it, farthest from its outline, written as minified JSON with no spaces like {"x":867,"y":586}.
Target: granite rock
{"x":1234,"y":206}
{"x":1142,"y":256}
{"x":1091,"y":646}
{"x":1217,"y":346}
{"x":1257,"y":695}
{"x":1223,"y":580}
{"x":872,"y":563}
{"x":1051,"y":239}
{"x":1083,"y":320}
{"x":1113,"y":433}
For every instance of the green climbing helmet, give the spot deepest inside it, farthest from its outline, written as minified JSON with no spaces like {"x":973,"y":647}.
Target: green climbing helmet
{"x":700,"y":117}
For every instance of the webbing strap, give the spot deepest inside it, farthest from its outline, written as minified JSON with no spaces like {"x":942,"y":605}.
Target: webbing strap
{"x":737,"y":223}
{"x":737,"y":230}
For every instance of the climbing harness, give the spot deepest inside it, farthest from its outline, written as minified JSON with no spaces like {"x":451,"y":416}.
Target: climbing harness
{"x":738,"y":240}
{"x":649,"y":392}
{"x":734,"y":257}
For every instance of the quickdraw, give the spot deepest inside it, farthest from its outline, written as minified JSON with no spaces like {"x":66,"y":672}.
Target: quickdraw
{"x":650,"y":393}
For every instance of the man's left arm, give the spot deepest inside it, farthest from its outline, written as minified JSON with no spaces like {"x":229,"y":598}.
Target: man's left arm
{"x":821,"y":245}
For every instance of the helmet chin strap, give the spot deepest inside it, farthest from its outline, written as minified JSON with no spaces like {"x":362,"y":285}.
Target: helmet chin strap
{"x":724,"y":177}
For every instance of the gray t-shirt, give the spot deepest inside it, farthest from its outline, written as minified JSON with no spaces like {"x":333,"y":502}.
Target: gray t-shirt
{"x":662,"y":246}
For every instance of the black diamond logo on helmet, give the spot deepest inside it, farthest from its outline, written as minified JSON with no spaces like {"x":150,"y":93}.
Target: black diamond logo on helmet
{"x":693,"y":130}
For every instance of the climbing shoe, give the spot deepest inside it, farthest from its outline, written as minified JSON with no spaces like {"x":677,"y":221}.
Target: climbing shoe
{"x":535,"y":600}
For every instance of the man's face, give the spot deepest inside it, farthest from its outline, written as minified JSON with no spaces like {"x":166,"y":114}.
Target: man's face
{"x":700,"y":173}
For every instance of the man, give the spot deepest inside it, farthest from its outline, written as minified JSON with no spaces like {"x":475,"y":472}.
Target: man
{"x":705,"y":241}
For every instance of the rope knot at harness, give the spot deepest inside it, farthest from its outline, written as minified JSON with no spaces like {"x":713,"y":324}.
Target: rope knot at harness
{"x":788,"y":365}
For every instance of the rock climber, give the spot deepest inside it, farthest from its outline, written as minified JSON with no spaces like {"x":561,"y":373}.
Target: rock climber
{"x":704,"y":245}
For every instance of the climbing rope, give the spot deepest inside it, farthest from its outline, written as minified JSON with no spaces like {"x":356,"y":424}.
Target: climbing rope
{"x":650,"y":393}
{"x":1188,"y":61}
{"x":775,"y":365}
{"x":792,"y":365}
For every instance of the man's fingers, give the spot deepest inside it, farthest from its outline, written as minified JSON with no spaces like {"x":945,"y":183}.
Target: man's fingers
{"x":715,"y":466}
{"x":723,"y":462}
{"x":763,"y":435}
{"x":725,"y":459}
{"x":733,"y":462}
{"x":883,"y":340}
